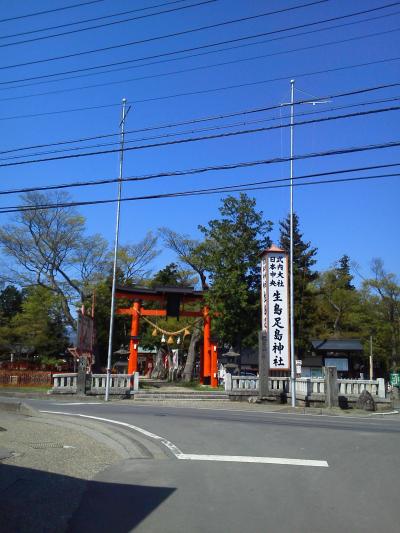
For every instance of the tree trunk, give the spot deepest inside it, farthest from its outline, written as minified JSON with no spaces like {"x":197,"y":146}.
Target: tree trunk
{"x":159,"y":371}
{"x":191,"y":357}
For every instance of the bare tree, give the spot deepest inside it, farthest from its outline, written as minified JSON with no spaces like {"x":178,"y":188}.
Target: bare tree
{"x":134,"y":259}
{"x":48,"y":248}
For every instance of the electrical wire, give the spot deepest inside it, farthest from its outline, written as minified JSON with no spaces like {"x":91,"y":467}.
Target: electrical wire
{"x":195,"y":192}
{"x":174,"y":72}
{"x":203,"y":91}
{"x":213,"y":128}
{"x":150,"y":39}
{"x":188,"y":172}
{"x":193,"y":30}
{"x":187,"y":140}
{"x":206,"y":119}
{"x":93,"y":19}
{"x":47,"y":11}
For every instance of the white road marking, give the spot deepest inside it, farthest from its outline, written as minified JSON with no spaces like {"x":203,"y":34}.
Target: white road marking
{"x":247,"y":411}
{"x":249,"y":459}
{"x":196,"y":457}
{"x":76,"y":403}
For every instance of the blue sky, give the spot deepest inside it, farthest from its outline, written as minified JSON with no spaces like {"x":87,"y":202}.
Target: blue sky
{"x":359,"y":219}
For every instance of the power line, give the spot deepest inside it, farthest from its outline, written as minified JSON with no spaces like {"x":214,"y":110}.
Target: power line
{"x":35,"y":14}
{"x":195,"y":192}
{"x":129,"y":61}
{"x":211,"y":128}
{"x":93,"y":19}
{"x":200,"y":120}
{"x":167,"y":36}
{"x":203,"y":91}
{"x":189,"y":140}
{"x":107,"y":24}
{"x":202,"y":28}
{"x":174,"y":72}
{"x":189,"y":172}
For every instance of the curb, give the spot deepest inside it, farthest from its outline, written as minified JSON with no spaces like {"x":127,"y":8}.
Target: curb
{"x":17,"y":407}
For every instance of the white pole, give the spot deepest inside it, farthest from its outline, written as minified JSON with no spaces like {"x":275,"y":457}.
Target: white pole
{"x":110,"y":335}
{"x":292,"y":360}
{"x":371,"y":361}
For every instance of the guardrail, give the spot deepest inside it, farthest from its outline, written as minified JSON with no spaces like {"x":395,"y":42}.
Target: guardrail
{"x":308,"y":386}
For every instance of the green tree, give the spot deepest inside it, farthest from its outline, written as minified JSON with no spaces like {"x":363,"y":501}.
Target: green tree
{"x":40,"y":325}
{"x":304,"y":277}
{"x":383,"y":297}
{"x":10,"y":302}
{"x":173,"y":276}
{"x":231,"y":252}
{"x":339,"y":302}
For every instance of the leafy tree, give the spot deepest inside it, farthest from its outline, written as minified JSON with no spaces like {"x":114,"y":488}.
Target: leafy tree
{"x":383,"y":290}
{"x":231,"y":253}
{"x":339,"y":302}
{"x":343,"y":272}
{"x":303,"y":277}
{"x":10,"y":302}
{"x":173,"y":276}
{"x":40,"y":325}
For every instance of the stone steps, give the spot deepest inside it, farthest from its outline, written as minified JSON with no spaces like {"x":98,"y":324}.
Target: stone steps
{"x":163,"y":395}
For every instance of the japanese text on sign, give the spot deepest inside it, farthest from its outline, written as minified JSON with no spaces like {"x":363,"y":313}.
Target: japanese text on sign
{"x":275,"y":314}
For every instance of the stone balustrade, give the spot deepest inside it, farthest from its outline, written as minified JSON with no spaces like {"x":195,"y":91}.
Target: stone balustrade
{"x":307,"y":386}
{"x":96,"y":383}
{"x":354,"y":387}
{"x":65,"y":383}
{"x":119,"y":383}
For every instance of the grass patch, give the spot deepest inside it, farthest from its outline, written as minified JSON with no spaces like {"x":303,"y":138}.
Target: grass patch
{"x":38,"y":388}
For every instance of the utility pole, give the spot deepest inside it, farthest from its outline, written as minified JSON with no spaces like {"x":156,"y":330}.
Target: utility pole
{"x":121,"y":165}
{"x":371,"y":361}
{"x":292,"y":359}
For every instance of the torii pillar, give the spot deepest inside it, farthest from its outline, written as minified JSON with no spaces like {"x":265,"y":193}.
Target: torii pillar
{"x":134,"y":341}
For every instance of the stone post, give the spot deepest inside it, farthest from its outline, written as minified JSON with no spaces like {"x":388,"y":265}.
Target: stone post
{"x":263,"y":364}
{"x":136,"y":381}
{"x":228,"y":381}
{"x":381,"y":388}
{"x":331,"y":387}
{"x":81,"y":376}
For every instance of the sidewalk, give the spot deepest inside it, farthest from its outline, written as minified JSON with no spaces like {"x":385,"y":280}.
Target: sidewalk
{"x":47,"y":462}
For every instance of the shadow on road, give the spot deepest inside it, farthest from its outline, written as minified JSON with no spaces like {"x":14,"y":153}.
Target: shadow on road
{"x":36,"y":501}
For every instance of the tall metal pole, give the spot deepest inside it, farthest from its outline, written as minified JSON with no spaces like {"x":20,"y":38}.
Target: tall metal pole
{"x":292,"y":360}
{"x":121,"y":165}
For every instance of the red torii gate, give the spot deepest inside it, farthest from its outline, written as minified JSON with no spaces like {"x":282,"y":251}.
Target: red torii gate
{"x":173,"y":299}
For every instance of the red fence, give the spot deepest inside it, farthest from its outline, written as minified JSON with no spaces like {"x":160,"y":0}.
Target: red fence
{"x":23,"y":378}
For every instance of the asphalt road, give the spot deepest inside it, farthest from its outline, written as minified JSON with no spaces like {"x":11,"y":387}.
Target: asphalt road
{"x":229,"y":470}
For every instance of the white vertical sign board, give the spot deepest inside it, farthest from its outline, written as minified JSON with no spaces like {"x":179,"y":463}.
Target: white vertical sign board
{"x":264,"y":294}
{"x":275,"y":308}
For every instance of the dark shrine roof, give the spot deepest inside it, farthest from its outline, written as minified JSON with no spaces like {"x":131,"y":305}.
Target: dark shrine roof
{"x":335,"y":345}
{"x":184,"y":291}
